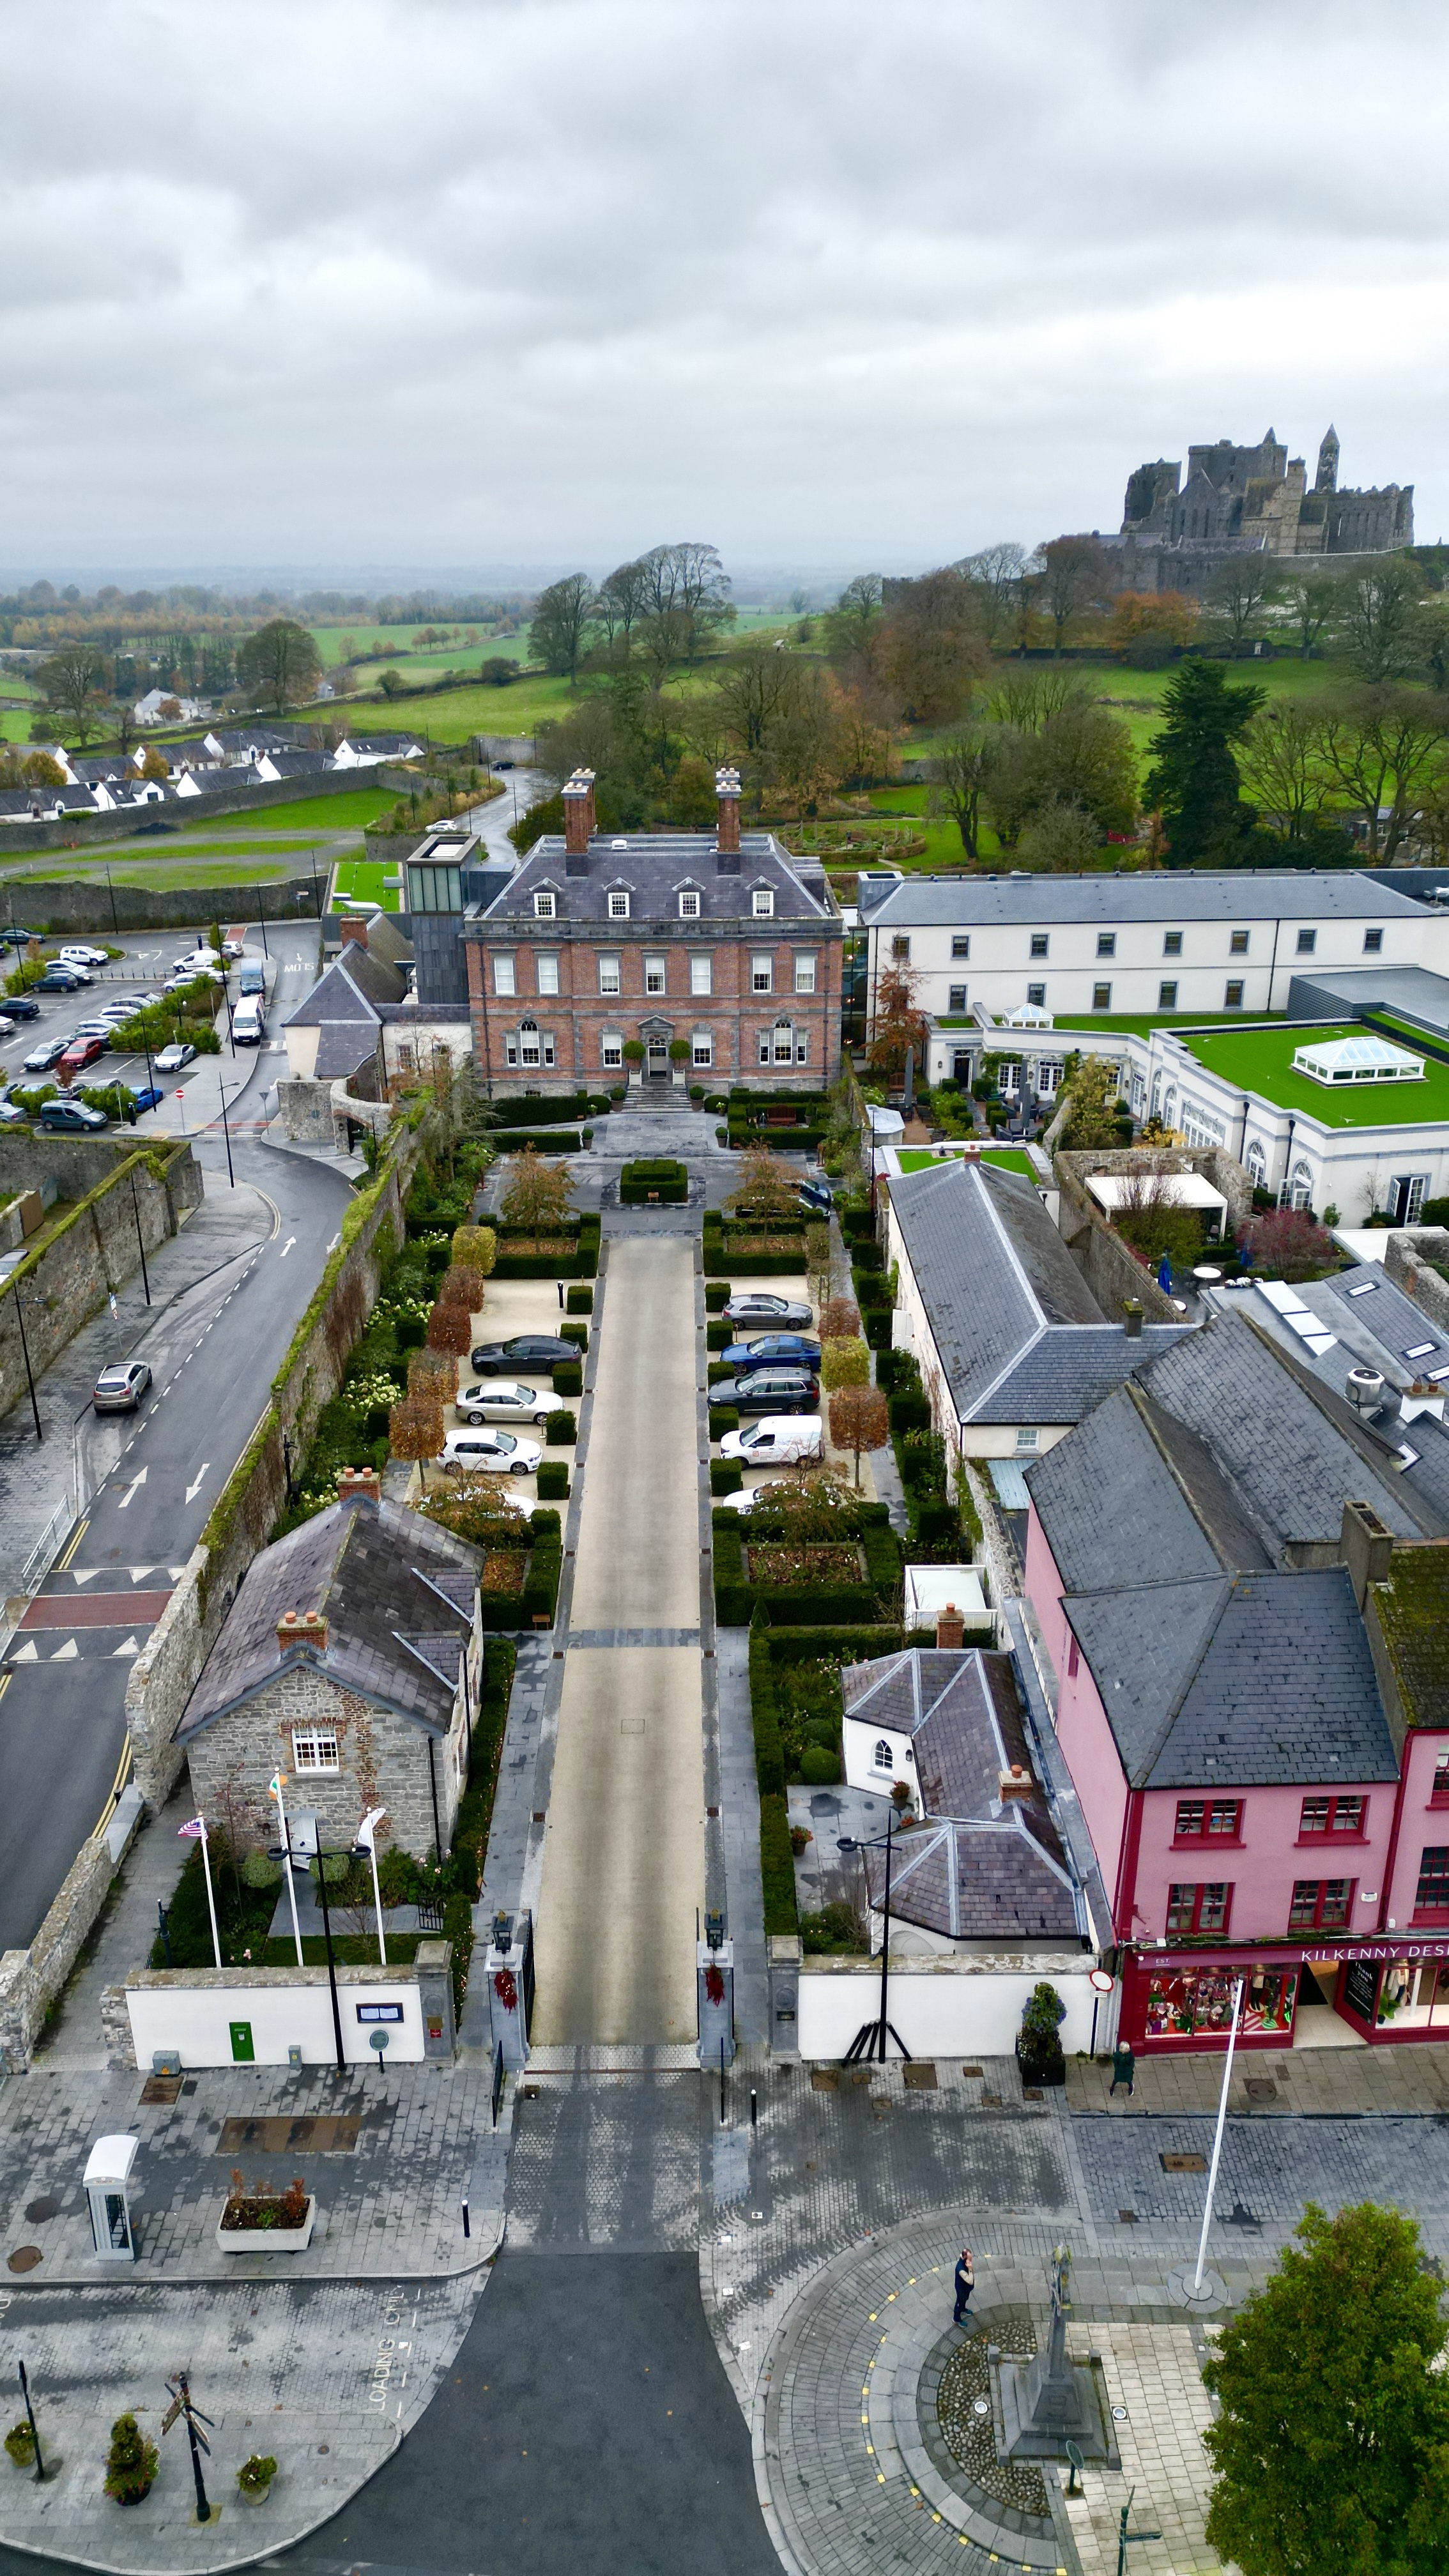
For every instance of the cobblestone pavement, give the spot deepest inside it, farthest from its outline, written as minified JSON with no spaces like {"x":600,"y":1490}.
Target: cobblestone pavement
{"x":394,"y":2201}
{"x":610,"y":2160}
{"x":325,"y":2377}
{"x":1287,"y":2083}
{"x":1268,"y":2171}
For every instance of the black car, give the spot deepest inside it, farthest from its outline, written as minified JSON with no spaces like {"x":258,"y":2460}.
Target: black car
{"x":19,"y":1006}
{"x":525,"y":1351}
{"x":816,"y":1198}
{"x":59,"y":979}
{"x":768,"y":1390}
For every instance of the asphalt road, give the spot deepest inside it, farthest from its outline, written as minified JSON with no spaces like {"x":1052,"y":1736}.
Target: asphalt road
{"x":62,"y":1694}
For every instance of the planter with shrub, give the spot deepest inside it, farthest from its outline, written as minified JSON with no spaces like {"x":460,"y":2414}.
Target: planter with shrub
{"x":1038,"y":2048}
{"x":580,"y":1300}
{"x":716,"y":1295}
{"x":131,"y":2463}
{"x":723,"y":1418}
{"x":553,"y":1481}
{"x":718,"y":1333}
{"x":659,"y":1179}
{"x":263,"y":2221}
{"x":725,"y":1475}
{"x":568,"y":1378}
{"x":254,"y":2478}
{"x":560,"y":1430}
{"x":20,"y":2443}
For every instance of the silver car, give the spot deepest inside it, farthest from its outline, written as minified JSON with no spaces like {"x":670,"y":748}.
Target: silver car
{"x":119,"y":1389}
{"x":504,"y":1400}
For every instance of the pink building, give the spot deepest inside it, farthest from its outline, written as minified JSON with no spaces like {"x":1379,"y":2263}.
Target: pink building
{"x":1253,"y":1705}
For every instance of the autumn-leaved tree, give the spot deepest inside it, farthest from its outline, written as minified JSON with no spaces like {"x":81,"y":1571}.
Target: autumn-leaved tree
{"x":461,"y":1285}
{"x":839,"y":1319}
{"x":1097,"y":1115}
{"x":1331,"y":2447}
{"x":433,"y":1376}
{"x":537,"y":1194}
{"x":859,"y":1420}
{"x":477,"y":1247}
{"x":845,"y":1362}
{"x":415,"y":1431}
{"x":768,"y":1185}
{"x":899,"y":1023}
{"x":450,"y":1328}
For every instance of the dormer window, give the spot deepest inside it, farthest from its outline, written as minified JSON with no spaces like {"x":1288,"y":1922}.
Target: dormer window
{"x":762,"y":903}
{"x":618,"y":904}
{"x":689,"y":904}
{"x":545,"y":904}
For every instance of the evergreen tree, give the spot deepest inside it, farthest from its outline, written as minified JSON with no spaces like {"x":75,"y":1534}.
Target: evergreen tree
{"x":1194,"y":778}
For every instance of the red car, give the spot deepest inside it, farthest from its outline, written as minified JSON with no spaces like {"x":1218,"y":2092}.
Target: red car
{"x":77,"y":1057}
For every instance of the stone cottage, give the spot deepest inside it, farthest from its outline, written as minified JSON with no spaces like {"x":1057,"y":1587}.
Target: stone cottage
{"x":350,"y":1660}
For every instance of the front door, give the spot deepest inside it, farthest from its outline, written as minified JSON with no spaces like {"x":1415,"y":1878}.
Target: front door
{"x":657,"y":1059}
{"x":242,"y":2051}
{"x":1407,"y":1192}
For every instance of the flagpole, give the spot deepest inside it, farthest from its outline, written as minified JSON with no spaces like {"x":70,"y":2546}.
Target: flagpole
{"x":367,"y":1837}
{"x":196,"y":1832}
{"x":276,"y":1791}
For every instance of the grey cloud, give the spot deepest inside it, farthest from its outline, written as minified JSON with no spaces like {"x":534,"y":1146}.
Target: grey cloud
{"x":459,"y":280}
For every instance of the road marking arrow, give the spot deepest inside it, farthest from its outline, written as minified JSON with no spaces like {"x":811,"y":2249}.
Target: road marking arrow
{"x":193,"y":1490}
{"x":286,"y":1248}
{"x":130,"y":1493}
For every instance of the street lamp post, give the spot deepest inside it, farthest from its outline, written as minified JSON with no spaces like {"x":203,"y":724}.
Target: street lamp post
{"x":34,"y":2427}
{"x":140,"y":1239}
{"x":226,"y":1131}
{"x":191,"y":2415}
{"x":29,"y":1372}
{"x":874,"y":2036}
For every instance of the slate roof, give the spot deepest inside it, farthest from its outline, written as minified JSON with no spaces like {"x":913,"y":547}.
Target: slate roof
{"x":1241,"y":895}
{"x":354,"y":988}
{"x":977,"y":1869}
{"x":342,"y":1046}
{"x":1020,"y":1336}
{"x":392,"y":1637}
{"x":1237,"y":1680}
{"x":653,"y":866}
{"x":1110,"y":1508}
{"x":1373,"y":1301}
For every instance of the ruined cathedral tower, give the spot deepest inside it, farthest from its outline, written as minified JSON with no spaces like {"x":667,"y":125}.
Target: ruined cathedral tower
{"x":1326,"y":479}
{"x":1250,"y":500}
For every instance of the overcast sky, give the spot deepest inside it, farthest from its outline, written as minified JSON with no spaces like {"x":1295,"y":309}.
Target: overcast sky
{"x":835,"y":283}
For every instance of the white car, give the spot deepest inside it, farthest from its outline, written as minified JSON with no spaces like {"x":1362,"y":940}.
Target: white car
{"x":7,"y":1026}
{"x":83,"y":957}
{"x":495,"y":1452}
{"x":776,"y":1440}
{"x":500,"y":1399}
{"x":172,"y":1058}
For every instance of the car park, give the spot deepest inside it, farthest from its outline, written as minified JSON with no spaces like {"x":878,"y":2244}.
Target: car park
{"x":778,"y":1441}
{"x":47,"y":1053}
{"x":10,"y":1115}
{"x":761,"y":1306}
{"x":120,"y":1387}
{"x":526,"y":1350}
{"x":768,"y":1390}
{"x":172,"y":1058}
{"x":252,"y":979}
{"x":816,"y":1198}
{"x":71,"y":1118}
{"x":493,"y":1452}
{"x":505,"y":1400}
{"x":79,"y":1053}
{"x":99,"y":1029}
{"x":81,"y":956}
{"x":796,"y":1350}
{"x":7,"y":1025}
{"x":61,"y":979}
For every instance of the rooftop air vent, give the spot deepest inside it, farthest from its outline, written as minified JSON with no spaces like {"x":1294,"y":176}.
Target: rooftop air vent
{"x":1365,"y":1390}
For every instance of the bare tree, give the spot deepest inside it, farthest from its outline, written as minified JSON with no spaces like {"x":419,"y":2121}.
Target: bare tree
{"x":1283,"y":766}
{"x":995,"y":577}
{"x":621,"y":603}
{"x":1311,"y":599}
{"x":687,"y":585}
{"x":1236,"y":595}
{"x":751,"y":688}
{"x":562,"y":614}
{"x":74,"y":681}
{"x":1075,"y":574}
{"x":852,"y":624}
{"x":962,"y":770}
{"x":1387,"y":749}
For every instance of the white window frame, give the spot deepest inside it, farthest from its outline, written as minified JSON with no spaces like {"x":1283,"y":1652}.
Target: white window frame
{"x":611,"y":1050}
{"x":510,"y":1048}
{"x":889,"y":1764}
{"x":783,"y":1036}
{"x":1255,"y":1164}
{"x":611,"y":972}
{"x":762,"y":1047}
{"x":1028,"y":1439}
{"x":701,"y":1048}
{"x":530,"y":1043}
{"x":701,"y":973}
{"x":545,"y":904}
{"x":618,"y":905}
{"x":806,"y":965}
{"x":762,"y":971}
{"x":656,"y":973}
{"x":505,"y":976}
{"x":802,"y":1046}
{"x":315,"y":1749}
{"x":546,"y":969}
{"x":689,"y":903}
{"x":762,"y":903}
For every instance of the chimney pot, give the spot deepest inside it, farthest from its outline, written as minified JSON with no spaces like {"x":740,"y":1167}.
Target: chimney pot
{"x":1016,"y":1783}
{"x":359,"y":1485}
{"x":302,"y":1628}
{"x":727,"y":790}
{"x":1365,"y":1546}
{"x":354,"y":930}
{"x":950,"y":1627}
{"x":1132,"y":1310}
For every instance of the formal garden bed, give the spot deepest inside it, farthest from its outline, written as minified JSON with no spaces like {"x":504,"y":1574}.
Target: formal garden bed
{"x":853,"y":1572}
{"x":660,"y":1179}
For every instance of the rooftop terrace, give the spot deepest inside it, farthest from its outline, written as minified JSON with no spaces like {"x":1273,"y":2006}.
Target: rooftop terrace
{"x":1261,"y":1060}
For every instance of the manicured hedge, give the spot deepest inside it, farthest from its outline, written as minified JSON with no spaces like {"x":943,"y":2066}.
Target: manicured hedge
{"x":716,"y":1293}
{"x":540,"y":1584}
{"x":583,"y":1263}
{"x":909,"y":1411}
{"x":553,"y":1481}
{"x":868,"y":1256}
{"x":560,"y":1430}
{"x":718,"y":1333}
{"x":764,"y":1714}
{"x":575,"y":1332}
{"x":547,"y":1109}
{"x":803,"y":1605}
{"x":777,"y":1866}
{"x":722,"y":1418}
{"x":660,"y":1178}
{"x":544,"y":1140}
{"x":719,"y":1369}
{"x":725,"y":1475}
{"x":579,"y":1301}
{"x":568,"y":1378}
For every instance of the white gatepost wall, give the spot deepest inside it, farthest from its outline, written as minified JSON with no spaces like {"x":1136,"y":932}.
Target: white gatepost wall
{"x":191,"y":2013}
{"x":944,"y":2007}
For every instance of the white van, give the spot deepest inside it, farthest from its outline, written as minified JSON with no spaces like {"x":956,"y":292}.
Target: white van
{"x":776,"y":1440}
{"x":247,"y":1024}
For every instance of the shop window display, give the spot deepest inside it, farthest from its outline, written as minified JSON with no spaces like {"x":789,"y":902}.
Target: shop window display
{"x":1188,"y":2003}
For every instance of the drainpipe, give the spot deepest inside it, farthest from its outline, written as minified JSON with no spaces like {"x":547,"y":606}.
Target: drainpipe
{"x":433,"y":1785}
{"x":1284,"y":1188}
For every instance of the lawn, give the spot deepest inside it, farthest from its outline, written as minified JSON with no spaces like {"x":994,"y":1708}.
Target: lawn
{"x":1142,"y":1025}
{"x":161,"y":874}
{"x":350,"y":807}
{"x":915,"y":1158}
{"x":364,"y":881}
{"x":1261,"y":1060}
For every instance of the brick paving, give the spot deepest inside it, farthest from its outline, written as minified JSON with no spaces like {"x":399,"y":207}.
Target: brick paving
{"x":1306,"y":2082}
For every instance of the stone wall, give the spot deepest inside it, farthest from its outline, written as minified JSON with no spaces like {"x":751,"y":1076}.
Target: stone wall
{"x":1408,"y":1254}
{"x":95,"y":1248}
{"x":383,"y":1763}
{"x":305,"y":1109}
{"x":64,"y":904}
{"x":1110,"y":1270}
{"x":30,"y":1980}
{"x":167,"y":1669}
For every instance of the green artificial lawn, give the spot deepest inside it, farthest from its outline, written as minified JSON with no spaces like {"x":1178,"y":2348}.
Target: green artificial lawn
{"x":914,"y":1158}
{"x":362,"y":880}
{"x":1142,"y":1025}
{"x":1261,"y":1060}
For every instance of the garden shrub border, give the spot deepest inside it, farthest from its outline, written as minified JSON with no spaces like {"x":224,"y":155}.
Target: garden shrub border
{"x":737,"y":1601}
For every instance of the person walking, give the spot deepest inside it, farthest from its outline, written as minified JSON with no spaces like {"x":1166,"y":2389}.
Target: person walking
{"x":965,"y":2284}
{"x":1124,"y":2068}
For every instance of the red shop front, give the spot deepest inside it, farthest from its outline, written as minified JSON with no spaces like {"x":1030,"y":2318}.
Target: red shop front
{"x":1389,"y":1990}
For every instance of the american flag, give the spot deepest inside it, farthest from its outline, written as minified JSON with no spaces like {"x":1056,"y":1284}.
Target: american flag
{"x":196,"y":1827}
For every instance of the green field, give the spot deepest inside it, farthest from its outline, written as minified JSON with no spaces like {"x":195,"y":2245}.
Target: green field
{"x":315,"y":815}
{"x":362,"y":881}
{"x":1261,"y":1060}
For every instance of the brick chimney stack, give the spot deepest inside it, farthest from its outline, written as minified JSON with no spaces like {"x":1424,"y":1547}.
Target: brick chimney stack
{"x":354,"y":927}
{"x":950,"y":1627}
{"x":580,"y":822}
{"x":302,"y":1628}
{"x":1015,"y":1783}
{"x":727,"y":790}
{"x":1365,"y":1546}
{"x":359,"y":1485}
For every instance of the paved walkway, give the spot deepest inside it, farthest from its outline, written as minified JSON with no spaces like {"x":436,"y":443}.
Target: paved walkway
{"x":1275,"y":2083}
{"x":623,"y":1863}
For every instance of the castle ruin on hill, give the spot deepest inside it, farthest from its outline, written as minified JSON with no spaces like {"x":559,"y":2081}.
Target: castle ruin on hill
{"x":1249,"y":500}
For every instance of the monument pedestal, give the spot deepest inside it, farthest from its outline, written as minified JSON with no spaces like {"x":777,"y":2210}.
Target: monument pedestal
{"x":1043,"y":2404}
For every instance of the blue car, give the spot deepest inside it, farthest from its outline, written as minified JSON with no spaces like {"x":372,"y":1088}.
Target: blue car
{"x":146,"y":1095}
{"x":769,"y":1350}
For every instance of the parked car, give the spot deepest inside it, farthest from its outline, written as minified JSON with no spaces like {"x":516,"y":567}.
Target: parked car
{"x":71,"y":1118}
{"x":496,"y":1452}
{"x":10,"y":1115}
{"x":233,"y":948}
{"x":80,"y":956}
{"x":768,"y":1390}
{"x":816,"y":1198}
{"x":504,"y":1400}
{"x":526,"y":1350}
{"x":146,"y":1095}
{"x":78,"y":1053}
{"x":19,"y":1006}
{"x":99,"y":1029}
{"x":120,"y":1387}
{"x":61,"y":979}
{"x":248,"y":1027}
{"x":253,"y":977}
{"x":7,"y":1025}
{"x":796,"y":1350}
{"x":778,"y":1441}
{"x":761,"y":1306}
{"x":48,"y":1052}
{"x":172,"y":1058}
